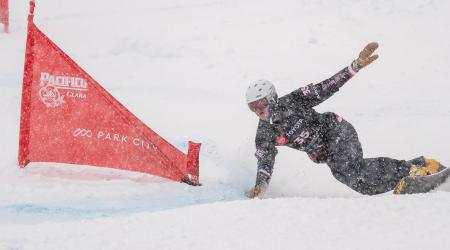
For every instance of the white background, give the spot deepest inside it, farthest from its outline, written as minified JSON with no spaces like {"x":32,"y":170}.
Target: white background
{"x":182,"y":67}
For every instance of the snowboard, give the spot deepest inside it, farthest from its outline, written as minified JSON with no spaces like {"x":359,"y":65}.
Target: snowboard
{"x":422,"y":184}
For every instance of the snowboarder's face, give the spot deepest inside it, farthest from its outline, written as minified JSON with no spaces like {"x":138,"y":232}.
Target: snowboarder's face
{"x":261,"y":108}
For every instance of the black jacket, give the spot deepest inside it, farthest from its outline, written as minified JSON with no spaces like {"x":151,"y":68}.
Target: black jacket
{"x":294,"y":123}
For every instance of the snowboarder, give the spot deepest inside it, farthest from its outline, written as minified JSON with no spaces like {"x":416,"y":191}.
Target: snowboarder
{"x":326,"y":137}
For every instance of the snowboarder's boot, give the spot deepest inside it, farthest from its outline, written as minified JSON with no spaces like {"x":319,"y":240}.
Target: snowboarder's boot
{"x":420,"y":167}
{"x":430,"y":167}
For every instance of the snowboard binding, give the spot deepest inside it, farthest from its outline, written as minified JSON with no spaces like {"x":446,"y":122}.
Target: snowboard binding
{"x":424,"y":176}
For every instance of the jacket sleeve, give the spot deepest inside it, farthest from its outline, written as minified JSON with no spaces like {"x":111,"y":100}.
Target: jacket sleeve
{"x":314,"y":94}
{"x":265,"y":153}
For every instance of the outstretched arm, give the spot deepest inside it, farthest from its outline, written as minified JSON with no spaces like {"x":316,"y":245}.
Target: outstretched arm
{"x":265,"y":153}
{"x":314,"y":94}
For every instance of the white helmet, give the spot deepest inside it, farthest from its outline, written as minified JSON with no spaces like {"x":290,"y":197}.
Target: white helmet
{"x":261,"y":89}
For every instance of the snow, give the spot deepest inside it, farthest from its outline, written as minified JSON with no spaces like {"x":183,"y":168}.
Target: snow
{"x":292,"y":223}
{"x":182,"y":67}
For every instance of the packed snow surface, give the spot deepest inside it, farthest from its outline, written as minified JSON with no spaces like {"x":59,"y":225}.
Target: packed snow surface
{"x":182,"y":67}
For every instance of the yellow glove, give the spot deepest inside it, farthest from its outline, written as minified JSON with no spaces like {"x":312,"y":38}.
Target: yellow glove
{"x":365,"y":56}
{"x":256,"y":191}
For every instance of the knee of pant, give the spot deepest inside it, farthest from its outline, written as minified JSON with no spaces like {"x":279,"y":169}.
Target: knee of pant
{"x":367,"y":188}
{"x":358,"y":184}
{"x":364,"y":189}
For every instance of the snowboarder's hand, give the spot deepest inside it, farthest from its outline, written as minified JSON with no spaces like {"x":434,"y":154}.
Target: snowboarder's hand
{"x":256,"y":191}
{"x":365,"y":56}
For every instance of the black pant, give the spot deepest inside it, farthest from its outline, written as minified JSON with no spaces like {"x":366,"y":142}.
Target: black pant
{"x":367,"y":176}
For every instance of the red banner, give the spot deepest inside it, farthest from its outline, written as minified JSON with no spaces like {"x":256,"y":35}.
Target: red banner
{"x":4,"y":14}
{"x":68,"y":117}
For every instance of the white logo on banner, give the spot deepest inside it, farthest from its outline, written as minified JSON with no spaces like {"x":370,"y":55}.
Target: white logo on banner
{"x":50,"y":84}
{"x":82,"y":132}
{"x":114,"y":138}
{"x":50,"y":96}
